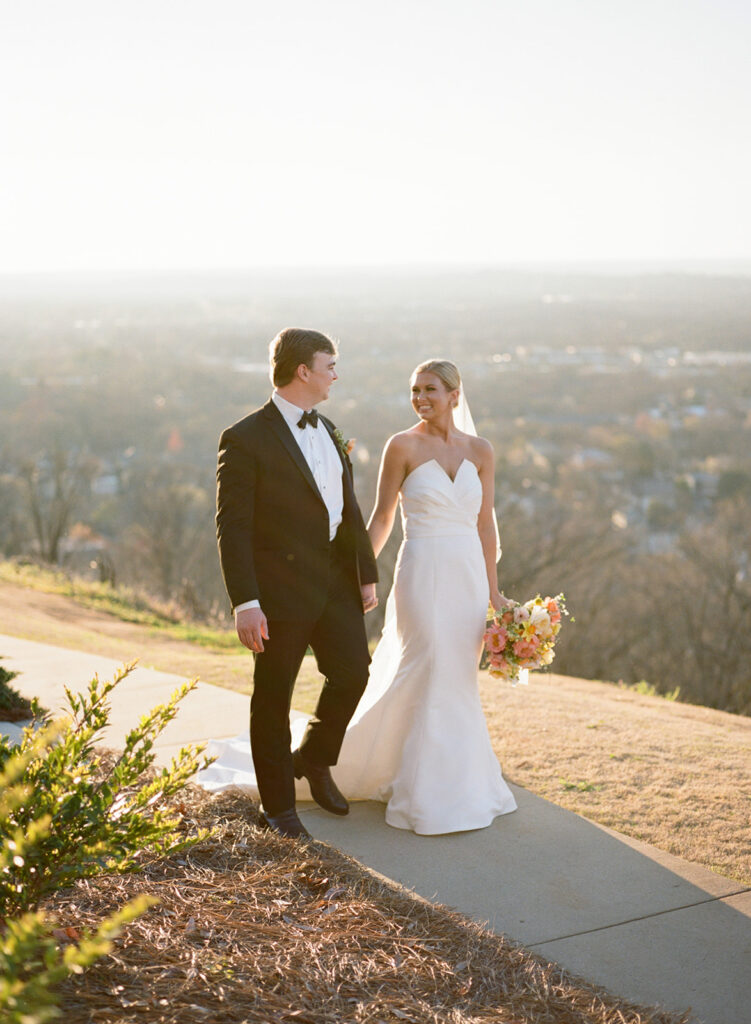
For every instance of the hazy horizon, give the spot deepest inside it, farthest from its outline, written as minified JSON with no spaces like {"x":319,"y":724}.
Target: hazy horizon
{"x":597,"y":268}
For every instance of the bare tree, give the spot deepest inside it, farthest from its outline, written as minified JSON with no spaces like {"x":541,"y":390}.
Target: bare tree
{"x":55,"y":484}
{"x":678,"y":620}
{"x":707,"y":603}
{"x":169,"y":542}
{"x":14,"y":533}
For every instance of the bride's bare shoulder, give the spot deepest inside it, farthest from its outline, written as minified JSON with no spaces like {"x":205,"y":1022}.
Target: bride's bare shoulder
{"x":396,"y":460}
{"x":480,"y":448}
{"x":402,"y":443}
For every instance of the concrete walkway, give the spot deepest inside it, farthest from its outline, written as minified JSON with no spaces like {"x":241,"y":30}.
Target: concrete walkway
{"x":648,"y":926}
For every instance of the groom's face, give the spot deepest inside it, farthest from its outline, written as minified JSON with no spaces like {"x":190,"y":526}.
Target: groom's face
{"x":319,"y":376}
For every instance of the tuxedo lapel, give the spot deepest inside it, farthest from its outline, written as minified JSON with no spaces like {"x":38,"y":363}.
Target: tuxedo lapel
{"x":282,"y":431}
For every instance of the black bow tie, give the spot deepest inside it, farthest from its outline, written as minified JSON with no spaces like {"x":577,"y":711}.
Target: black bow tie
{"x":308,"y":417}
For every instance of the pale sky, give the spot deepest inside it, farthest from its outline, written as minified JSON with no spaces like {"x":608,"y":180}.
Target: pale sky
{"x":223,"y":134}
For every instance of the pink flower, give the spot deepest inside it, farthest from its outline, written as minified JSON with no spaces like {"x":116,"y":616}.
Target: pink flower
{"x":495,"y":638}
{"x":526,"y":648}
{"x":507,"y":618}
{"x":499,"y":666}
{"x":521,"y":614}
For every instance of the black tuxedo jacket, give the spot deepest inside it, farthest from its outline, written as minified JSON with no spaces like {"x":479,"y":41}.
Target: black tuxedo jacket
{"x":273,"y":525}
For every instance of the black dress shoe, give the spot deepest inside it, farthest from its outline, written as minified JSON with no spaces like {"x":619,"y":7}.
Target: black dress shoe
{"x":322,"y":786}
{"x":285,"y":824}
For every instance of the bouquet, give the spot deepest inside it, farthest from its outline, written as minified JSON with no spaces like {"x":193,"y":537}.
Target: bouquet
{"x":522,"y":636}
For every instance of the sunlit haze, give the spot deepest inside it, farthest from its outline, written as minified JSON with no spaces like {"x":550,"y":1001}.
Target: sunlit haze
{"x":238,"y":134}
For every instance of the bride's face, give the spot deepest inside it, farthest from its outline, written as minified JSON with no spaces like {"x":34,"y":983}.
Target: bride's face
{"x":431,"y":399}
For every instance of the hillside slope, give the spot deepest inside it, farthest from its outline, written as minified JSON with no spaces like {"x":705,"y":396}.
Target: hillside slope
{"x":675,"y":775}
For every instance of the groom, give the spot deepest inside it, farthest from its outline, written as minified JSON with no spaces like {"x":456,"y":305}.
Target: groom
{"x":299,"y":570}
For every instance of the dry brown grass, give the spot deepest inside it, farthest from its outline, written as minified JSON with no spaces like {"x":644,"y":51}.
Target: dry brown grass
{"x":32,"y":614}
{"x":55,"y":619}
{"x":252,"y":928}
{"x":675,"y":775}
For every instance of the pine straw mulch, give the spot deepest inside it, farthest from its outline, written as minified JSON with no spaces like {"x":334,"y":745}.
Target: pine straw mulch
{"x":257,"y":929}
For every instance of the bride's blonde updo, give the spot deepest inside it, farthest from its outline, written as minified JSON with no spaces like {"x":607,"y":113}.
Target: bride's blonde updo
{"x":446,"y":372}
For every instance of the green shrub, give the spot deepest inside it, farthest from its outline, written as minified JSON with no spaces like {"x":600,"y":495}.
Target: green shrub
{"x":76,"y":820}
{"x":6,"y":676}
{"x":13,"y":707}
{"x":31,"y":960}
{"x":32,"y":963}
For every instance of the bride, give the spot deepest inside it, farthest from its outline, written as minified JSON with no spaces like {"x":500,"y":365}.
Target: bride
{"x":418,"y":741}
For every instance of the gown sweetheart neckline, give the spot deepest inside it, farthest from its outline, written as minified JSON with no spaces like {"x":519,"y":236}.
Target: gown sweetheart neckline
{"x":451,"y":480}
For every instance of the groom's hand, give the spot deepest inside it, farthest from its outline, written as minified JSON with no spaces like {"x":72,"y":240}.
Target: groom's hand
{"x":369,"y":599}
{"x":252,"y":628}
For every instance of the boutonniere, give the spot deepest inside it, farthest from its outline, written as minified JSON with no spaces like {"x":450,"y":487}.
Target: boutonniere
{"x":345,"y":446}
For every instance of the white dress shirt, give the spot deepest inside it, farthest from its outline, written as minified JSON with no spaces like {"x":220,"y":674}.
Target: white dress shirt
{"x":320,"y":453}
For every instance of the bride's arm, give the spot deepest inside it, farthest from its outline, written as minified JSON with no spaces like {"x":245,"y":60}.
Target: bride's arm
{"x":486,"y":522}
{"x":390,"y":479}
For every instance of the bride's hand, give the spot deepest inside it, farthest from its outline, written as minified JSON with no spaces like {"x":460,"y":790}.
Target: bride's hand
{"x":500,"y":601}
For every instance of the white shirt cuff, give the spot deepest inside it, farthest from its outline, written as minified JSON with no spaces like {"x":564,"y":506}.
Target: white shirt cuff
{"x":246,"y":604}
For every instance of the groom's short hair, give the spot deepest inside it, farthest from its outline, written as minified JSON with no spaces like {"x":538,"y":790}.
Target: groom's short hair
{"x":293,"y":346}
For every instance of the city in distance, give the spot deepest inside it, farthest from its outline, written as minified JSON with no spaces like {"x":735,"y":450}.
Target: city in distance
{"x":618,"y":404}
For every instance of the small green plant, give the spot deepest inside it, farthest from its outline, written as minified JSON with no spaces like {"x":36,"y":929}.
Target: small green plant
{"x":6,"y":676}
{"x":650,"y":690}
{"x":32,"y":962}
{"x":13,"y":707}
{"x":85,"y":821}
{"x":580,"y":787}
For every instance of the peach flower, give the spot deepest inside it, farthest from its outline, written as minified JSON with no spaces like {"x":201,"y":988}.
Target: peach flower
{"x":526,"y":648}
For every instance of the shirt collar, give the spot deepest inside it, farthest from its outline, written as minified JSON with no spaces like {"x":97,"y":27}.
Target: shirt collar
{"x":289,"y":410}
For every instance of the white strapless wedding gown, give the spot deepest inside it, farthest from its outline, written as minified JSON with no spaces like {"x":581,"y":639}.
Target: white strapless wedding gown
{"x":418,"y":740}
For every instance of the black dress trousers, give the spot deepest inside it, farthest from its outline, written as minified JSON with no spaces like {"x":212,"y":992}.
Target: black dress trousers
{"x":339,"y":642}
